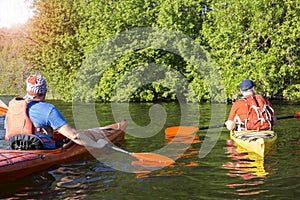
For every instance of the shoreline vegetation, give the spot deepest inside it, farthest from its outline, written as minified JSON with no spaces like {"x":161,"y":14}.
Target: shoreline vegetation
{"x":248,"y":39}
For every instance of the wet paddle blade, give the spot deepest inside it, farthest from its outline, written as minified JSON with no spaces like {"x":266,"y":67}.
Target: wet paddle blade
{"x":148,"y":164}
{"x":3,"y":111}
{"x":180,"y":131}
{"x":155,"y":159}
{"x":297,"y":115}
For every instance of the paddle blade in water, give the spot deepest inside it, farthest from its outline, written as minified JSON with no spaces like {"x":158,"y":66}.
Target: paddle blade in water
{"x":148,"y":164}
{"x":157,"y":159}
{"x":180,"y":130}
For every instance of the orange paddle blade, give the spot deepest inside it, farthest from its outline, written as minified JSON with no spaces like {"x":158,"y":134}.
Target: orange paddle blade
{"x":297,"y":115}
{"x":148,"y":163}
{"x":3,"y":111}
{"x":190,"y":139}
{"x":153,"y":158}
{"x":180,"y":130}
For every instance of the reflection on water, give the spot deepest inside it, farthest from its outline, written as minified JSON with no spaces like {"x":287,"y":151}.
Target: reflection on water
{"x":189,"y":151}
{"x":31,"y":187}
{"x":248,"y":166}
{"x":71,"y":180}
{"x":175,"y":146}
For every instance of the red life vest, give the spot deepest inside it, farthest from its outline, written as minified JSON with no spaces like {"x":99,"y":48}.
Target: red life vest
{"x":260,"y":114}
{"x":17,"y":120}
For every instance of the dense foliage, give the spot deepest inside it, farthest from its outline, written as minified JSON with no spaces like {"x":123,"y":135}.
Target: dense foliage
{"x":153,"y":50}
{"x":258,"y":40}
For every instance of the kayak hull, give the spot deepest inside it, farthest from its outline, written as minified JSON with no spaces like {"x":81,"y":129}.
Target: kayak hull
{"x":258,"y":142}
{"x":19,"y":163}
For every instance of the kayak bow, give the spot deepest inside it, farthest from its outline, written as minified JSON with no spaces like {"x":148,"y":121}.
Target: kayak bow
{"x":259,"y":142}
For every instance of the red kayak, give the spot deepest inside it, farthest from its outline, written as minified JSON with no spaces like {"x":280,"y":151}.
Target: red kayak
{"x":19,"y":163}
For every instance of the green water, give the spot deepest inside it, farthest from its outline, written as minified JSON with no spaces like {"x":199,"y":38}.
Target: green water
{"x":191,"y":177}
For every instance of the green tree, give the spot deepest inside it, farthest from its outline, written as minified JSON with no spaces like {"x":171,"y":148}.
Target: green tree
{"x":54,"y":46}
{"x":256,"y":40}
{"x":13,"y":68}
{"x":106,"y":19}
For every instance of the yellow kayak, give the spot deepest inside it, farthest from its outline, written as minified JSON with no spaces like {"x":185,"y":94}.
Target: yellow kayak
{"x":259,"y":142}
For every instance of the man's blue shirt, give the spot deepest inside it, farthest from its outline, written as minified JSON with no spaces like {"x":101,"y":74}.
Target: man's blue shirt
{"x":44,"y":114}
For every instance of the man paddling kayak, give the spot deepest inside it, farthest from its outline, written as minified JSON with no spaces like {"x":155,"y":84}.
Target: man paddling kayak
{"x":31,"y":119}
{"x":251,"y":112}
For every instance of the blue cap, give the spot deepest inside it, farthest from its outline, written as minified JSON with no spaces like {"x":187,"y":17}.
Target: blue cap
{"x":246,"y":85}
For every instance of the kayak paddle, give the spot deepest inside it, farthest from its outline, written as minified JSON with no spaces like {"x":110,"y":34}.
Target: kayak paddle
{"x":188,"y":130}
{"x":3,"y":111}
{"x":297,"y":115}
{"x":3,"y":108}
{"x":150,"y":157}
{"x":147,"y":157}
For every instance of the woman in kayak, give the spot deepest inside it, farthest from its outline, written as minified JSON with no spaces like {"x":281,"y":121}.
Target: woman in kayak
{"x":31,"y":117}
{"x":251,"y":112}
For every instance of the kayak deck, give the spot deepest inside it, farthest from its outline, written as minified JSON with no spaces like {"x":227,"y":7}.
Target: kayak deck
{"x":19,"y":163}
{"x":259,"y":142}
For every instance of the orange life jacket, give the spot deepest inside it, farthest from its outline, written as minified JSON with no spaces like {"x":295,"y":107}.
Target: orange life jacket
{"x":17,"y":120}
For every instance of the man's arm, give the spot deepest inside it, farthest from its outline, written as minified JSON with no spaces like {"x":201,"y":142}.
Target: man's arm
{"x":70,"y":132}
{"x":79,"y":137}
{"x":230,"y":123}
